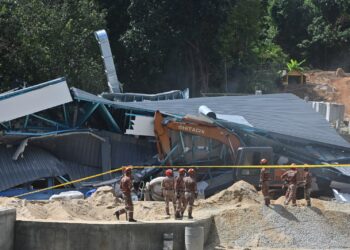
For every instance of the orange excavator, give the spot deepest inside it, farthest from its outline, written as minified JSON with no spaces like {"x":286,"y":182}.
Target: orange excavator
{"x":189,"y":133}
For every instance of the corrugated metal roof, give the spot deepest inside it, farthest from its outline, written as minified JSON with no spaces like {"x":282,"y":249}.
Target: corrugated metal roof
{"x":279,"y":113}
{"x":128,"y":150}
{"x":35,"y":164}
{"x":76,"y":154}
{"x":82,"y":148}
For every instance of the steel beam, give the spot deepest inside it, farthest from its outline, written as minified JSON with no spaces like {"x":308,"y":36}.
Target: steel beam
{"x":110,"y":120}
{"x":88,"y":113}
{"x":65,"y":114}
{"x":49,"y":121}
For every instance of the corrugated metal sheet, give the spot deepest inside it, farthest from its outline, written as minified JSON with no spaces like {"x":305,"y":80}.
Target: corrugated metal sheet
{"x":285,"y":114}
{"x":344,"y":170}
{"x":128,"y":150}
{"x":82,"y":148}
{"x":76,"y":154}
{"x":35,"y":164}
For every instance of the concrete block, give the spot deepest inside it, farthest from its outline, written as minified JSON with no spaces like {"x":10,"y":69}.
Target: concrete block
{"x":7,"y":228}
{"x":41,"y":235}
{"x":333,"y":112}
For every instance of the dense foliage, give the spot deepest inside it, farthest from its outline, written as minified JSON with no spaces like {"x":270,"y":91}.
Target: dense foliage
{"x":206,"y":45}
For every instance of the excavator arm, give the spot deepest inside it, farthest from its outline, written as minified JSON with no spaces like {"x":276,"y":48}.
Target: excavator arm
{"x":162,"y":128}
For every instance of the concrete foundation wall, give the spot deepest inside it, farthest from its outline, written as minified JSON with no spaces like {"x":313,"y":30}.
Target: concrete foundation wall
{"x":7,"y":228}
{"x":37,"y":235}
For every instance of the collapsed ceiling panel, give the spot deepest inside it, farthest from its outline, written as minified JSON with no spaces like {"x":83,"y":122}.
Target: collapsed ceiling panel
{"x":33,"y":99}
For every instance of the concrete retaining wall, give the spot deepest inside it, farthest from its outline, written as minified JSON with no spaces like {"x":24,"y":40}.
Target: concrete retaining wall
{"x":7,"y":228}
{"x":40,"y":235}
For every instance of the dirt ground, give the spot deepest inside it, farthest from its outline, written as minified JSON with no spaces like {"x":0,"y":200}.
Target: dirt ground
{"x":241,"y":221}
{"x":327,"y":86}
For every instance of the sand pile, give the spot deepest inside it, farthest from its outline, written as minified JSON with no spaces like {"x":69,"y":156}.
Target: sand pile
{"x":104,"y":196}
{"x":240,"y":191}
{"x":100,"y":206}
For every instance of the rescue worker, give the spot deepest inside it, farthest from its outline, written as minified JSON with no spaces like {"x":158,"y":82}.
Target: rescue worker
{"x":291,"y":177}
{"x":264,"y":182}
{"x":168,"y":190}
{"x":190,"y":191}
{"x":180,"y":194}
{"x":307,"y":179}
{"x":126,"y":187}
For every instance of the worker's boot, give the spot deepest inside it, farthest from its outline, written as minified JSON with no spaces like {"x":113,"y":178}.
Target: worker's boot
{"x":117,"y":214}
{"x":182,"y":213}
{"x":167,"y":211}
{"x":309,"y":203}
{"x":131,"y":217}
{"x":267,"y":202}
{"x":190,"y":213}
{"x":178,"y":215}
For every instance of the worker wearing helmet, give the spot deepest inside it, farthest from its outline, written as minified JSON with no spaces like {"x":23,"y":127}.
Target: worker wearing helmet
{"x":168,"y":190}
{"x":190,"y":191}
{"x":126,"y":187}
{"x":180,"y":194}
{"x":265,"y":182}
{"x":291,"y":177}
{"x":307,"y":180}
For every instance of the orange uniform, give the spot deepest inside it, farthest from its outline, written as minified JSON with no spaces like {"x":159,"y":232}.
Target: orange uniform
{"x":265,"y":181}
{"x":190,"y":193}
{"x":126,"y":187}
{"x":168,"y":193}
{"x":291,"y":177}
{"x":307,"y":180}
{"x":180,"y":196}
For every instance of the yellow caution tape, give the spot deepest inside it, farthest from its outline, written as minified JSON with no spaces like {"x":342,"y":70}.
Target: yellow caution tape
{"x":167,"y":167}
{"x":70,"y":182}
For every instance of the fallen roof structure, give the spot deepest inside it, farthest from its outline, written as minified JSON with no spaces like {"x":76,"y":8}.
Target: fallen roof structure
{"x":33,"y":99}
{"x":73,"y":136}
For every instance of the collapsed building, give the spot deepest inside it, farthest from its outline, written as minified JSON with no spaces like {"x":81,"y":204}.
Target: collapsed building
{"x":51,"y":134}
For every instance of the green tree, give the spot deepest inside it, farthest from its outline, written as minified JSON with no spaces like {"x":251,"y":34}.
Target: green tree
{"x":241,"y":31}
{"x":291,"y":19}
{"x":177,"y":38}
{"x":246,"y":42}
{"x":55,"y":38}
{"x":327,"y":44}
